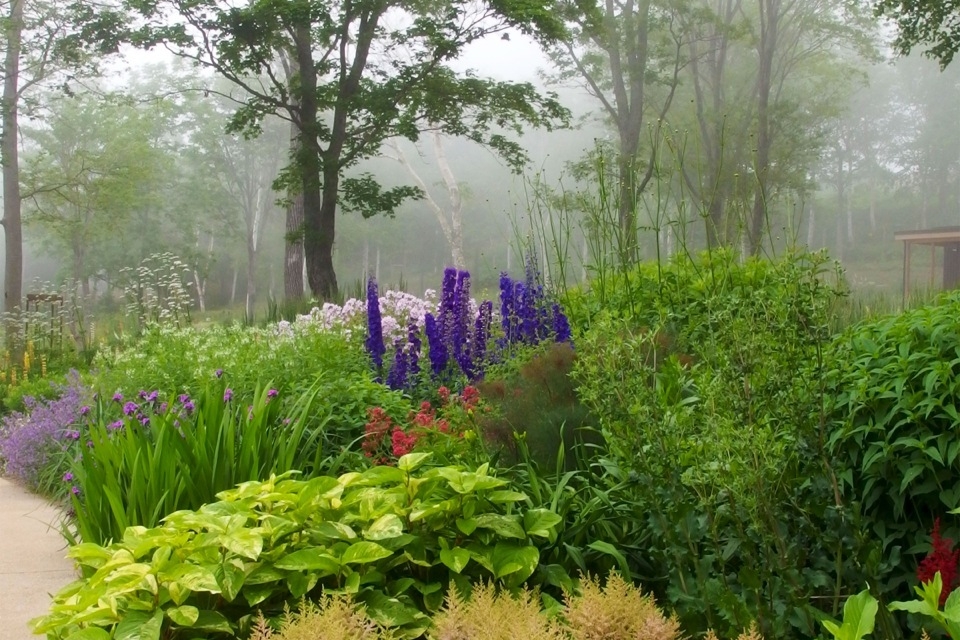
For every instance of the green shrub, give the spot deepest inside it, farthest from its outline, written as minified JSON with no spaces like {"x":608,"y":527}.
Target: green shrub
{"x":705,"y":378}
{"x":533,"y":395}
{"x":893,"y":400}
{"x":394,"y":538}
{"x":185,"y":360}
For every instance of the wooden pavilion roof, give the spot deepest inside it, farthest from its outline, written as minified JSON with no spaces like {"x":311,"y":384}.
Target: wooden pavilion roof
{"x":939,"y":236}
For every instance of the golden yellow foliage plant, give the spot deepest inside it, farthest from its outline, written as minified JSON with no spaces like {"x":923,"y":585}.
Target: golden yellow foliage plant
{"x":488,"y":615}
{"x":750,"y":634}
{"x":616,"y":611}
{"x":334,"y":617}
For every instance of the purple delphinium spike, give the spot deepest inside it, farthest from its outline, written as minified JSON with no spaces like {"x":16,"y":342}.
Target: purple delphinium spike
{"x":481,"y":333}
{"x":560,"y":325}
{"x":507,"y":315}
{"x":397,"y":376}
{"x":374,"y":343}
{"x":461,"y":316}
{"x":413,"y":340}
{"x":438,"y":351}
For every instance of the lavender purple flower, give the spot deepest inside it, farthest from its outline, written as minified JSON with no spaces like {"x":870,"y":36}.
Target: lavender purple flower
{"x":228,"y":395}
{"x":374,"y":342}
{"x":397,"y":376}
{"x":29,"y":440}
{"x":130,"y":408}
{"x":435,"y":345}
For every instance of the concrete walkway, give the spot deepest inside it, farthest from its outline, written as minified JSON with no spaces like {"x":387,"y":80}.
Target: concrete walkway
{"x":33,"y":562}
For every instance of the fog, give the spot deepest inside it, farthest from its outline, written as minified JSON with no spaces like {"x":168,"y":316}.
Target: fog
{"x":860,"y":144}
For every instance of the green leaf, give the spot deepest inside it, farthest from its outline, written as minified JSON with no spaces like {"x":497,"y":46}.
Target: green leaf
{"x":467,"y":525}
{"x":610,"y":550}
{"x":311,"y":559}
{"x":364,"y":552}
{"x":213,"y":621}
{"x":504,"y":526}
{"x":506,"y":496}
{"x":455,"y":559}
{"x":412,"y":461}
{"x":243,"y":542}
{"x":137,"y":625}
{"x":859,"y":616}
{"x":231,"y":577}
{"x":90,"y":633}
{"x":193,"y":577}
{"x":185,"y":615}
{"x":540,"y":522}
{"x":387,"y":526}
{"x":517,"y":562}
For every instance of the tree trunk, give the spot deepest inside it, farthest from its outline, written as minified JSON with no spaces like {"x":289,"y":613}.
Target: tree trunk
{"x":293,"y":244}
{"x":9,"y":157}
{"x":319,"y":206}
{"x":769,"y":18}
{"x":293,"y":250}
{"x":251,"y":278}
{"x":201,"y":285}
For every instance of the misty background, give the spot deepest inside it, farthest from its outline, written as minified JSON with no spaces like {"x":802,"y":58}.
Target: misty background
{"x":137,"y":162}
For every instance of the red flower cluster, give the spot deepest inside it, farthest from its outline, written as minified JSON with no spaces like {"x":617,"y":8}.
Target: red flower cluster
{"x":377,"y":446}
{"x":942,"y":558}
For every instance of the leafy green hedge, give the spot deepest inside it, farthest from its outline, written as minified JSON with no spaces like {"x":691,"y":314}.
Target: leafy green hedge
{"x":704,"y":377}
{"x":395,"y":538}
{"x":894,"y":417}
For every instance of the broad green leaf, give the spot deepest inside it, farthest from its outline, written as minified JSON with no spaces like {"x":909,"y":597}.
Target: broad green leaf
{"x":90,"y":633}
{"x":951,"y":608}
{"x":412,"y":461}
{"x":137,"y":625}
{"x":364,"y":552}
{"x":612,"y":551}
{"x":231,"y":576}
{"x":256,"y":594}
{"x":184,"y":615}
{"x":213,"y":621}
{"x":504,"y":526}
{"x":383,"y":474}
{"x":352,"y":584}
{"x":506,"y":496}
{"x":299,"y":583}
{"x":455,"y":559}
{"x":311,"y":559}
{"x":386,"y":526}
{"x":517,"y":562}
{"x":335,"y":531}
{"x":193,"y":577}
{"x":540,"y":522}
{"x":243,"y":542}
{"x":467,"y":525}
{"x":859,"y":616}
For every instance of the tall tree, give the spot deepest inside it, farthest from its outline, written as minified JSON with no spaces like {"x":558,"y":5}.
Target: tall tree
{"x":935,"y":23}
{"x":94,"y":161}
{"x":628,"y":54}
{"x":9,"y":157}
{"x":366,"y":71}
{"x":38,"y":47}
{"x":450,"y":218}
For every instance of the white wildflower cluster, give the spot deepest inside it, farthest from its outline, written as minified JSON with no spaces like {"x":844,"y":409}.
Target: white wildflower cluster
{"x":156,"y":291}
{"x":397,"y":309}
